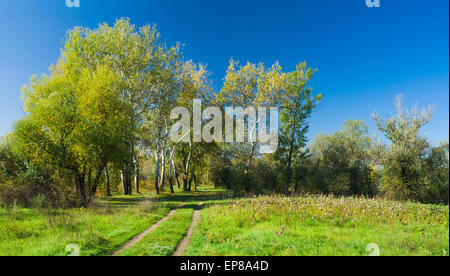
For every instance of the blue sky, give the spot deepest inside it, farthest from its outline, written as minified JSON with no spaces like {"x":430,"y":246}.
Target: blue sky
{"x":364,"y":56}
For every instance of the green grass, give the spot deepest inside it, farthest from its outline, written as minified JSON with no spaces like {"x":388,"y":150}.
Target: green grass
{"x":261,"y":226}
{"x":98,"y":230}
{"x":163,"y":240}
{"x":319,"y":225}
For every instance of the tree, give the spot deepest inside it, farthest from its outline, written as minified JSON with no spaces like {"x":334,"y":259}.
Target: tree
{"x":88,"y":110}
{"x":146,"y":66}
{"x":76,"y":123}
{"x":195,"y":86}
{"x":297,"y":103}
{"x":105,"y":121}
{"x":344,"y":160}
{"x":249,"y":87}
{"x":47,"y":134}
{"x":402,"y":160}
{"x":435,"y":175}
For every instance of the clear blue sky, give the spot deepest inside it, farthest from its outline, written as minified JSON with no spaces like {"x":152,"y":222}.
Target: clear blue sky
{"x":364,"y":56}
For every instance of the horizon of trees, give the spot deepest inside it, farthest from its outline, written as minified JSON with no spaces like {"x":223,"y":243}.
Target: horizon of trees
{"x":101,"y":117}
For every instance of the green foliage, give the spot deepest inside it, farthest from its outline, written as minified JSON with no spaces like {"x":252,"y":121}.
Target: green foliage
{"x":21,"y":181}
{"x":436,"y":175}
{"x":87,"y":111}
{"x":344,"y":162}
{"x":411,"y":168}
{"x":255,"y":85}
{"x":259,"y":178}
{"x":297,"y":104}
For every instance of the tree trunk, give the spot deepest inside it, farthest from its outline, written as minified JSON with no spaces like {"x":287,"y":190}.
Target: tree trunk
{"x":191,"y":178}
{"x":129,"y":181}
{"x":82,"y":188}
{"x":288,"y":177}
{"x":163,"y":169}
{"x":291,"y":151}
{"x":107,"y":184}
{"x":171,"y":179}
{"x":137,"y":177}
{"x":124,"y":186}
{"x":126,"y":182}
{"x":157,"y":166}
{"x":247,"y":167}
{"x":94,"y":185}
{"x":186,"y":169}
{"x":89,"y":177}
{"x":157,"y":174}
{"x":77,"y":189}
{"x":249,"y":161}
{"x":195,"y":182}
{"x":170,"y":171}
{"x":190,"y":183}
{"x":177,"y":176}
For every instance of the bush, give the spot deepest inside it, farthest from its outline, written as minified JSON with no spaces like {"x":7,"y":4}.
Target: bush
{"x":24,"y":183}
{"x":435,"y":175}
{"x":30,"y":188}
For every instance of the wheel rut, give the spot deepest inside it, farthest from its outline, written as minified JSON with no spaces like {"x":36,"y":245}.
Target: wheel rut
{"x":139,"y":237}
{"x":182,"y":246}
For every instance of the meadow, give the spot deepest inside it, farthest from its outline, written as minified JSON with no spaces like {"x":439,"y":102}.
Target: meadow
{"x":98,"y":230}
{"x":321,"y":226}
{"x":255,"y":226}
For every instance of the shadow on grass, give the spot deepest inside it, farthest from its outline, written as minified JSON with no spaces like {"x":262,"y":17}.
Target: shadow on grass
{"x":122,"y":201}
{"x":195,"y":196}
{"x":209,"y":197}
{"x":190,"y":206}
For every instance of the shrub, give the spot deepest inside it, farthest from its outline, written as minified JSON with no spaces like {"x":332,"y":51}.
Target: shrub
{"x":25,"y":183}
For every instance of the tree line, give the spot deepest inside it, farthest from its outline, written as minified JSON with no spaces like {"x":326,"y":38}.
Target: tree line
{"x":350,"y":162}
{"x":101,"y":118}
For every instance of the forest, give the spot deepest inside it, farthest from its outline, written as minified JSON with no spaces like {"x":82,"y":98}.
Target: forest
{"x":98,"y":129}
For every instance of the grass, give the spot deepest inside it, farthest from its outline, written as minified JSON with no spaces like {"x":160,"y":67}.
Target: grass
{"x":163,"y":240}
{"x":319,"y":225}
{"x":98,"y":230}
{"x":258,"y":226}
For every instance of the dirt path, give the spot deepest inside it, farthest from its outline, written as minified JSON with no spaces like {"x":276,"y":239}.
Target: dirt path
{"x":182,"y":246}
{"x":139,"y":237}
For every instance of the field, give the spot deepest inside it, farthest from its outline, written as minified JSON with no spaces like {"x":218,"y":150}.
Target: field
{"x":262,"y":226}
{"x":319,"y":225}
{"x":97,"y":230}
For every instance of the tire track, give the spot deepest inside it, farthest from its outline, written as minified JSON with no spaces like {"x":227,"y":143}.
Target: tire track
{"x":182,"y":246}
{"x":139,"y":237}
